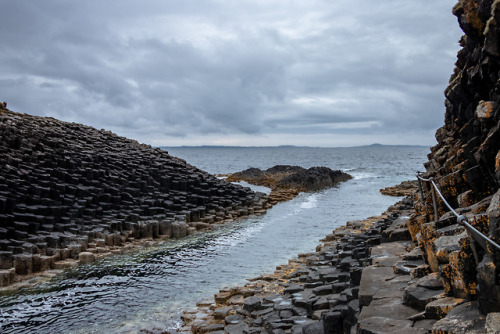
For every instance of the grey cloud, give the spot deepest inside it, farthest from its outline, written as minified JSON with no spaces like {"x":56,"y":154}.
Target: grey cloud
{"x":157,"y":70}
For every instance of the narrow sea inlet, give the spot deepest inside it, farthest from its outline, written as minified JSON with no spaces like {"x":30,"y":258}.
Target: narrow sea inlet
{"x":149,"y":289}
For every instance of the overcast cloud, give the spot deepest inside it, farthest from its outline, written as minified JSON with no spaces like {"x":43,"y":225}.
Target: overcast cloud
{"x":222,"y":72}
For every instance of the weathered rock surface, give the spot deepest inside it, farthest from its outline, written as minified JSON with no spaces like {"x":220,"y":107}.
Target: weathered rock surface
{"x":465,"y":165}
{"x":66,"y":188}
{"x":405,"y":188}
{"x":427,"y":262}
{"x":287,"y":181}
{"x":320,"y":292}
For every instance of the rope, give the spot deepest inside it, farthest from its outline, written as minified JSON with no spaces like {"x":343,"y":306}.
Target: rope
{"x":462,"y":220}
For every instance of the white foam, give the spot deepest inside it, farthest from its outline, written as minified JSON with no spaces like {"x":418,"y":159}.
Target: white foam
{"x":255,"y":188}
{"x":311,"y":202}
{"x":361,"y":175}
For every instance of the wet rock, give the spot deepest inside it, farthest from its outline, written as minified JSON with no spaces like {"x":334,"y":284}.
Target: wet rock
{"x":42,"y":262}
{"x":355,"y":275}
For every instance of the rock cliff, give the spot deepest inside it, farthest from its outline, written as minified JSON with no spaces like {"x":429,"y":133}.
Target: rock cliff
{"x":68,"y":191}
{"x":465,"y":165}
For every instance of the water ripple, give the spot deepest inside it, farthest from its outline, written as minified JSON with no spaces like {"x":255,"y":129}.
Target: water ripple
{"x":150,"y":287}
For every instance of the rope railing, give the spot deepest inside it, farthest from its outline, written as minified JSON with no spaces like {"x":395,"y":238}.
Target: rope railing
{"x":479,"y":237}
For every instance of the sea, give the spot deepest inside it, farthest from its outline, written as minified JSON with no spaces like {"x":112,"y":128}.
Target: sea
{"x":149,"y":289}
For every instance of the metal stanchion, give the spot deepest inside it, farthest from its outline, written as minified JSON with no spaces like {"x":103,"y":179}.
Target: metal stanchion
{"x":434,"y":202}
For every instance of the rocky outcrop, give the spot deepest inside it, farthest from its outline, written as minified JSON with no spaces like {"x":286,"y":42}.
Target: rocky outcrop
{"x":465,"y":165}
{"x":288,"y":181}
{"x":429,"y":274}
{"x":405,"y":188}
{"x":66,"y":188}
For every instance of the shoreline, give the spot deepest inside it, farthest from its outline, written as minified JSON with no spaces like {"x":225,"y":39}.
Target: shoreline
{"x":292,"y":298}
{"x":91,"y":255}
{"x":27,"y":269}
{"x":11,"y":281}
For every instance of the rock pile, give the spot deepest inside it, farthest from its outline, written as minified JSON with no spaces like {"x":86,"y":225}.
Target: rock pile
{"x":66,"y":188}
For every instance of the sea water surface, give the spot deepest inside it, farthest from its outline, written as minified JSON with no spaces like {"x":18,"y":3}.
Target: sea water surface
{"x":149,"y":288}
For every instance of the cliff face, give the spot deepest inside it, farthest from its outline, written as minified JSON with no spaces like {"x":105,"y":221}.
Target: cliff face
{"x":465,"y":164}
{"x":469,"y":142}
{"x":67,"y":188}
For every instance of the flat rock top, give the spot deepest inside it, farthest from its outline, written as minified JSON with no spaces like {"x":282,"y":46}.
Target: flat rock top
{"x":287,"y":177}
{"x":405,"y":188}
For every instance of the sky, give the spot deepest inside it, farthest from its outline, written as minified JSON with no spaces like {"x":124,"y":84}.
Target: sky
{"x":233,"y":72}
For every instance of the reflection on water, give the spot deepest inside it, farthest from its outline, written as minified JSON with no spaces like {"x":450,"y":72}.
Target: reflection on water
{"x":149,"y":288}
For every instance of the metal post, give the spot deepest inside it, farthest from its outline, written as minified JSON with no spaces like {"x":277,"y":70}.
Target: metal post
{"x":420,"y":189}
{"x":473,"y":247}
{"x":462,"y":221}
{"x":434,"y":203}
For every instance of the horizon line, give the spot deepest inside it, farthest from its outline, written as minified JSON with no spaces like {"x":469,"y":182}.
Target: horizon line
{"x":288,"y":146}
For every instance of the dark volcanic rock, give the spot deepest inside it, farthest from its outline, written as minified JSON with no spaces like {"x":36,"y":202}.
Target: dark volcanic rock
{"x":465,"y":165}
{"x":286,"y":177}
{"x":68,"y":186}
{"x":314,"y":178}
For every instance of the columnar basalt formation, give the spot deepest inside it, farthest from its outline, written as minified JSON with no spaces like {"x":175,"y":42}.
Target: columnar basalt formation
{"x":428,"y":274}
{"x":322,"y":291}
{"x":66,"y":188}
{"x":465,"y":165}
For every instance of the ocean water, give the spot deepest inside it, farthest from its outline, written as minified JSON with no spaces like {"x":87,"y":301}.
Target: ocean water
{"x":149,"y":288}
